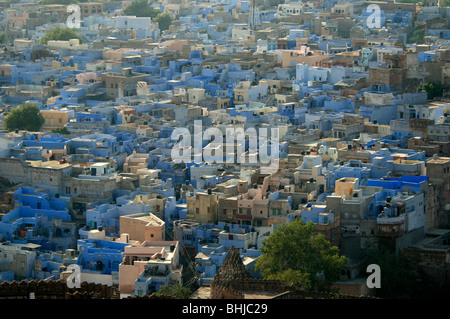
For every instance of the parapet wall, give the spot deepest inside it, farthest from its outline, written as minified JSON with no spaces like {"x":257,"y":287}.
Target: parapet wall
{"x":55,"y":289}
{"x":234,"y":289}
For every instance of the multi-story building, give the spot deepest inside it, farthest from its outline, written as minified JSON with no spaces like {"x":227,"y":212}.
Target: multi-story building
{"x":18,"y":259}
{"x":325,"y":222}
{"x":148,"y":266}
{"x":54,"y":119}
{"x":99,"y":260}
{"x":134,"y":162}
{"x":90,"y":8}
{"x":123,"y":83}
{"x":438,"y":172}
{"x":39,"y":219}
{"x":203,"y":207}
{"x":143,"y":227}
{"x":246,"y":93}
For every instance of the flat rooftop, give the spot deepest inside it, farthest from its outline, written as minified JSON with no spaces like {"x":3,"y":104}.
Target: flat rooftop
{"x":49,"y":164}
{"x":146,"y":217}
{"x":438,"y":160}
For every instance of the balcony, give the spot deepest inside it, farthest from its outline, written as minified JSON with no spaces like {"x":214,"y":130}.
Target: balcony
{"x":391,"y":226}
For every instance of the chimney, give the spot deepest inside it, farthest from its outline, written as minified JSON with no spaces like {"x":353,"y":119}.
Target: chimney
{"x":124,"y":238}
{"x":242,"y":187}
{"x":126,"y":71}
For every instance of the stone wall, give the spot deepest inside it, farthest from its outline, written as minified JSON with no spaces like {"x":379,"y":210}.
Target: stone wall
{"x":14,"y":170}
{"x":235,"y":290}
{"x":55,"y":289}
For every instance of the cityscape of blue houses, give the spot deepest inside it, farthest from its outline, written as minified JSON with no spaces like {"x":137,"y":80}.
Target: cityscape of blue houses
{"x":363,"y":150}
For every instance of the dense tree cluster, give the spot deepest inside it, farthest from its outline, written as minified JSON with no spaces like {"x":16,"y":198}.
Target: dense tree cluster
{"x":141,"y":8}
{"x":25,"y":117}
{"x":296,"y":254}
{"x":60,"y":34}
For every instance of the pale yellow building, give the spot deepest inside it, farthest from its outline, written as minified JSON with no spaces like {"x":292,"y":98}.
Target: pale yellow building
{"x":203,"y":207}
{"x":54,"y":119}
{"x":135,"y":161}
{"x":346,"y":186}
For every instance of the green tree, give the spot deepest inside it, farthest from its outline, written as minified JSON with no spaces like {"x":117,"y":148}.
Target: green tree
{"x":176,"y":291}
{"x":140,"y":8}
{"x":25,"y":117}
{"x":296,"y":254}
{"x":433,"y":89}
{"x":3,"y":37}
{"x":204,"y":31}
{"x":418,"y":33}
{"x":164,"y":21}
{"x":60,"y":34}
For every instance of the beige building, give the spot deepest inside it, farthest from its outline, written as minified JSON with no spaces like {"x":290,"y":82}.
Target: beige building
{"x":123,"y":83}
{"x":19,"y":258}
{"x":54,"y":119}
{"x":154,"y":201}
{"x":245,"y":92}
{"x":135,"y":161}
{"x":6,"y":70}
{"x":311,"y":58}
{"x":345,"y":186}
{"x":143,"y":227}
{"x":70,"y":44}
{"x":90,"y":8}
{"x":203,"y":207}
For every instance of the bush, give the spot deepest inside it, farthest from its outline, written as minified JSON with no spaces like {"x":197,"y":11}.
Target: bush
{"x":433,"y":89}
{"x":61,"y":130}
